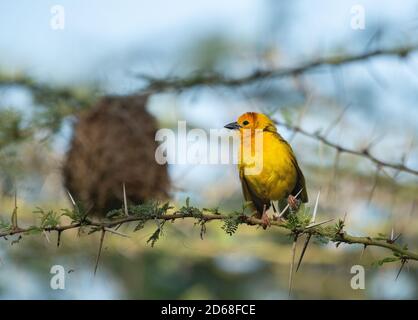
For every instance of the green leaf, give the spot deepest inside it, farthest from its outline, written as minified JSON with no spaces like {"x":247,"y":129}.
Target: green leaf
{"x":231,"y":223}
{"x":49,"y":219}
{"x":212,"y":210}
{"x":385,"y":260}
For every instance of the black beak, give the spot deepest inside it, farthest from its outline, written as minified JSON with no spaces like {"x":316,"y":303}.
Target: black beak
{"x":233,"y":126}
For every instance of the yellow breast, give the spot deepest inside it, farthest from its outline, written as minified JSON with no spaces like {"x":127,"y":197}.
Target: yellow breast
{"x":277,"y":175}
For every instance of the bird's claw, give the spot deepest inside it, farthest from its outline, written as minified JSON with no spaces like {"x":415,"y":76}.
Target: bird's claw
{"x":265,"y":219}
{"x":293,"y":202}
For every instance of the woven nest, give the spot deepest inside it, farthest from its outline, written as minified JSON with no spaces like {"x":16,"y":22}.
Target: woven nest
{"x":114,"y":143}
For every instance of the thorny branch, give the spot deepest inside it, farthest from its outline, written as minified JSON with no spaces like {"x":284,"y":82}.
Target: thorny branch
{"x":296,"y":226}
{"x":215,"y":79}
{"x":365,"y":153}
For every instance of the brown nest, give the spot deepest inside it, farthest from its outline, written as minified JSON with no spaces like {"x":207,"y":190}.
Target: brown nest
{"x":114,"y":144}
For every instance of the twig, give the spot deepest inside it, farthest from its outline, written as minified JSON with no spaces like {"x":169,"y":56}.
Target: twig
{"x":215,"y":79}
{"x":365,"y":153}
{"x":325,"y":232}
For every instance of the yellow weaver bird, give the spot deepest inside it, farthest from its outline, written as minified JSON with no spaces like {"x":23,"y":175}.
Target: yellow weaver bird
{"x":279,"y":177}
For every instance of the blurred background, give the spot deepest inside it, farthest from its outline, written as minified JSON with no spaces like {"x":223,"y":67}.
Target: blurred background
{"x":53,"y":80}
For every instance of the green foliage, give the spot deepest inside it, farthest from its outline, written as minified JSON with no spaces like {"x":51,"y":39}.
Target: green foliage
{"x":298,"y":220}
{"x":381,"y":236}
{"x":385,"y":260}
{"x":231,"y":223}
{"x":233,"y":220}
{"x":34,"y":230}
{"x":75,"y":214}
{"x":115,"y":213}
{"x":156,"y":235}
{"x":49,"y":219}
{"x":147,"y":211}
{"x":339,"y":226}
{"x":212,"y":210}
{"x":188,"y":210}
{"x":4,"y":225}
{"x":297,"y":223}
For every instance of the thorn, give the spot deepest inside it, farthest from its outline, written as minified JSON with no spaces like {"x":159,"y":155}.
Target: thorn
{"x":318,"y":223}
{"x":202,"y":230}
{"x":316,"y":207}
{"x":305,"y":245}
{"x":400,"y":269}
{"x":59,"y":238}
{"x":72,"y":199}
{"x":345,"y":216}
{"x":362,"y":251}
{"x":125,"y":205}
{"x":283,"y":211}
{"x":46,"y":236}
{"x":100,"y":250}
{"x":116,"y":232}
{"x":292,"y":264}
{"x":393,"y":238}
{"x":308,"y":238}
{"x":14,"y":214}
{"x":397,"y":237}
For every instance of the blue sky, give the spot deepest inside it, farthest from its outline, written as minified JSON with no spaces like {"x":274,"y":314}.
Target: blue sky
{"x":97,"y":30}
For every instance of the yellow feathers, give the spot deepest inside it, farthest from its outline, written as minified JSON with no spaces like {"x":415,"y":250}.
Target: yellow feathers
{"x":279,"y":176}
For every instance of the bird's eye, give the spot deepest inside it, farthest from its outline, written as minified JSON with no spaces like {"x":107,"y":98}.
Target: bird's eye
{"x":245,"y":123}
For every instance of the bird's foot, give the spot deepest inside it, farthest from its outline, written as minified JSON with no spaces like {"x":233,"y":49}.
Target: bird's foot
{"x":293,"y":202}
{"x":265,"y":218}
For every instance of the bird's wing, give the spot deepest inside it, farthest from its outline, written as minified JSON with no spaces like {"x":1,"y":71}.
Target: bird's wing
{"x":300,"y":181}
{"x":249,"y":195}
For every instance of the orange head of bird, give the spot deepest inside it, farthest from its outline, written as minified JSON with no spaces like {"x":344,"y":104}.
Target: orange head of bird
{"x":252,"y":121}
